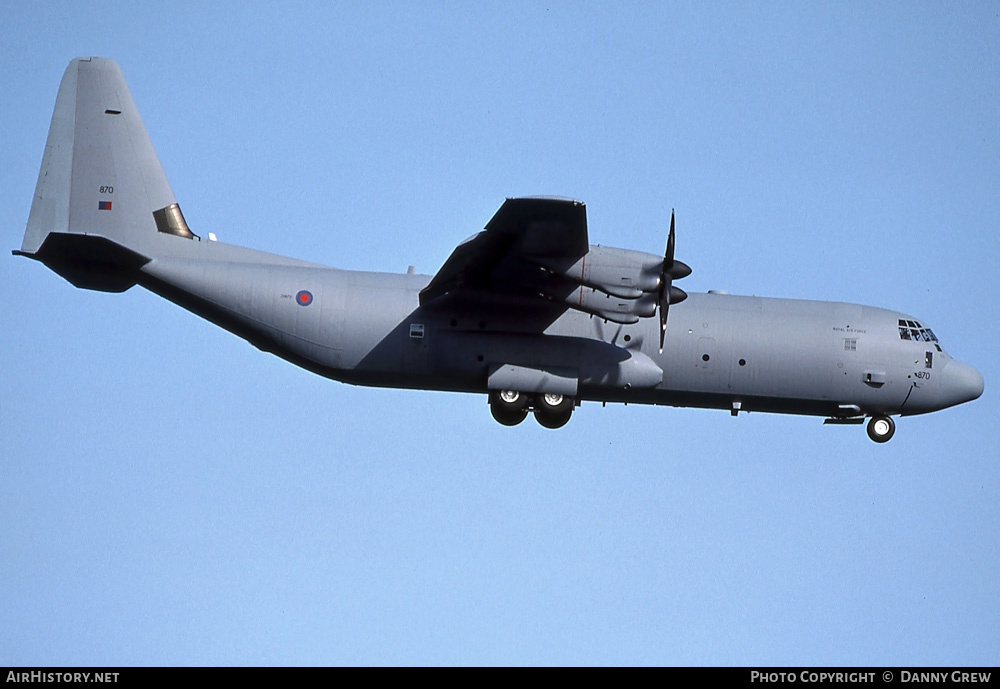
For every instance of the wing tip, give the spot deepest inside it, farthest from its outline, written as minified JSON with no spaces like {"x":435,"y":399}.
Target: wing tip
{"x":544,"y":197}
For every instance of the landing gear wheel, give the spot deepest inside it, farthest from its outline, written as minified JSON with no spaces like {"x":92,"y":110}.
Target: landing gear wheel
{"x":881,"y":428}
{"x":512,"y":400}
{"x":553,"y":411}
{"x":509,"y":407}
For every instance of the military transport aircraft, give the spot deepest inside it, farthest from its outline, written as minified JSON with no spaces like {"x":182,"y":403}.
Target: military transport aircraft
{"x":527,"y":311}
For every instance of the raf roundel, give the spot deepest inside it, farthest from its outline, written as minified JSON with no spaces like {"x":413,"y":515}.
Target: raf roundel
{"x":304,"y":298}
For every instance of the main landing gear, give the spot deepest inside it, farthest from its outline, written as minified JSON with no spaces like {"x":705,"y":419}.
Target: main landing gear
{"x":510,"y":407}
{"x":881,"y":428}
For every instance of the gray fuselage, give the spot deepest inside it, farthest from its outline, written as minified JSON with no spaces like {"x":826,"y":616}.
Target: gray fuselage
{"x":721,"y":351}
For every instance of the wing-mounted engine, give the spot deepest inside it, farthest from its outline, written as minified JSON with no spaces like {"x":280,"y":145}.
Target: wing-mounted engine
{"x":537,"y":247}
{"x":618,"y":285}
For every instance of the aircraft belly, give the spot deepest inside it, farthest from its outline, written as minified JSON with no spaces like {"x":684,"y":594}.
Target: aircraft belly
{"x":279,"y":309}
{"x":550,"y":363}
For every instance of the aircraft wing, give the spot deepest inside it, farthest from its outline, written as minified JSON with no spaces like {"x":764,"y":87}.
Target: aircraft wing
{"x":507,"y":258}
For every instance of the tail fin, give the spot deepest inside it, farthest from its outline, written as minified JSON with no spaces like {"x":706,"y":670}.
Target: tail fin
{"x":102,"y":202}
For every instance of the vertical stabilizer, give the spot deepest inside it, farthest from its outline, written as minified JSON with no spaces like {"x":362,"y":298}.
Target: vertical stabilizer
{"x":100,"y":174}
{"x":102,"y":197}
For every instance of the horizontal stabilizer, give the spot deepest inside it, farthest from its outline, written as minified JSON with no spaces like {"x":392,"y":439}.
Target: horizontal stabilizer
{"x":89,"y":262}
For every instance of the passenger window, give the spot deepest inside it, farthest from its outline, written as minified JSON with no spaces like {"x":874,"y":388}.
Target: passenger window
{"x":928,"y":359}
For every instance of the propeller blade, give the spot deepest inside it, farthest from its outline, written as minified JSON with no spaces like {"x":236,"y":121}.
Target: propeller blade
{"x":663,"y":324}
{"x":672,"y":270}
{"x":668,"y":255}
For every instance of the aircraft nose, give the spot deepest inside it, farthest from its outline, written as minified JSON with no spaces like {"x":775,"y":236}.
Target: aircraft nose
{"x":961,"y":383}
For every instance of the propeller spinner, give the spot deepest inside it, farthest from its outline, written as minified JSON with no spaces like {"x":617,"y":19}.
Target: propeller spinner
{"x":672,"y":270}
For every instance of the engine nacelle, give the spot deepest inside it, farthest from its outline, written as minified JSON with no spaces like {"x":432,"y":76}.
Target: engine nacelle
{"x":611,"y":307}
{"x":620,"y":272}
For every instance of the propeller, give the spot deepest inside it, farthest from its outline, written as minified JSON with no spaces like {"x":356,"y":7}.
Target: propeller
{"x":672,"y":270}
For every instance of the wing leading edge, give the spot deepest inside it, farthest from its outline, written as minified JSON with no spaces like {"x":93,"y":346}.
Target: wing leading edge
{"x":500,"y":258}
{"x":536,"y":251}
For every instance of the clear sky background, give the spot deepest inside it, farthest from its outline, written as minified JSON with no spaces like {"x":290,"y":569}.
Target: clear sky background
{"x":170,"y":495}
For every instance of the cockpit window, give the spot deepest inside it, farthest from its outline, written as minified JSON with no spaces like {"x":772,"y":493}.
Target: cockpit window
{"x":912,"y":330}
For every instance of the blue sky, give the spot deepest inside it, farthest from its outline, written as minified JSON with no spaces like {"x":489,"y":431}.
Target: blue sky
{"x":170,"y":495}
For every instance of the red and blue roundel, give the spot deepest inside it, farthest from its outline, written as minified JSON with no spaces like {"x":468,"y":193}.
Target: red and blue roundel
{"x":304,"y":298}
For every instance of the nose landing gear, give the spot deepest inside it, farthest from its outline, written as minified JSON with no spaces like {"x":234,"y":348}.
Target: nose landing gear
{"x":881,"y":428}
